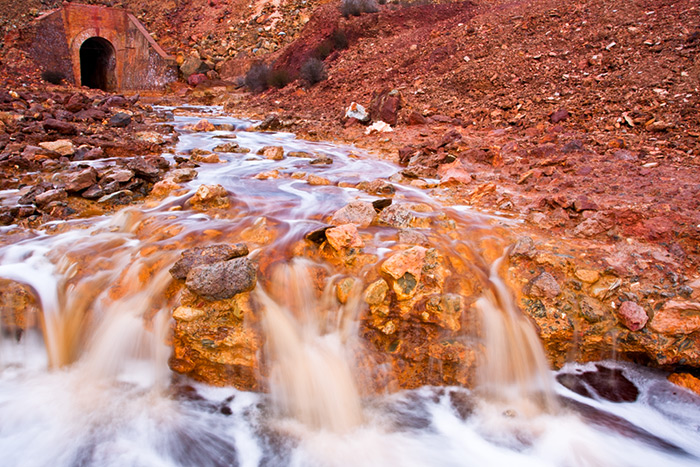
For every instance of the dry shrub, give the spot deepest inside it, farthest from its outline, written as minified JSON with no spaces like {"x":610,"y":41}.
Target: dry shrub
{"x":258,"y":77}
{"x":357,"y":7}
{"x":53,"y":77}
{"x":313,"y":71}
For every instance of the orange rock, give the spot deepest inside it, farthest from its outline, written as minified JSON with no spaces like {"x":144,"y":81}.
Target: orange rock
{"x":409,"y":260}
{"x":275,"y":153}
{"x":344,"y":236}
{"x":406,"y":268}
{"x":203,"y":125}
{"x":316,"y":180}
{"x":164,"y":188}
{"x":686,"y":380}
{"x":267,"y":175}
{"x":677,"y":317}
{"x":210,"y":196}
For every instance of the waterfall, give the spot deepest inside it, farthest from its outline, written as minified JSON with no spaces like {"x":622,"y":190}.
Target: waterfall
{"x":514,"y":367}
{"x":311,"y":377}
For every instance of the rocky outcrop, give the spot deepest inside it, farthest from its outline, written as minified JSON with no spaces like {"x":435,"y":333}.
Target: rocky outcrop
{"x":215,"y":338}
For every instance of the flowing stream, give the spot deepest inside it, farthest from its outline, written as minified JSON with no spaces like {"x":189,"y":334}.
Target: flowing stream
{"x":90,"y":386}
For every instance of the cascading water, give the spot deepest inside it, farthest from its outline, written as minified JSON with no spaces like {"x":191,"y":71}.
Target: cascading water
{"x":311,"y":377}
{"x":109,"y":398}
{"x":515,"y":368}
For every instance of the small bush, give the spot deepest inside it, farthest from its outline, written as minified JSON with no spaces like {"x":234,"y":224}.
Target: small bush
{"x":357,"y":7}
{"x":313,"y":71}
{"x":323,"y":50}
{"x":339,"y":39}
{"x":258,"y":77}
{"x":53,"y":77}
{"x":279,"y":78}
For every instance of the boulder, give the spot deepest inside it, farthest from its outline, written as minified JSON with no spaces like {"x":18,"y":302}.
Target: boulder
{"x":677,"y":317}
{"x":78,"y":102}
{"x":117,"y":175}
{"x":385,"y":106}
{"x":543,"y":286}
{"x":79,"y":181}
{"x":210,"y":196}
{"x":357,"y":112}
{"x":359,"y":213}
{"x":144,"y":168}
{"x":227,"y":147}
{"x":199,"y":256}
{"x":405,"y":267}
{"x":64,"y":147}
{"x":375,"y":293}
{"x":399,"y":216}
{"x":120,"y":120}
{"x":190,"y":66}
{"x":197,"y":78}
{"x":117,"y":101}
{"x":222,"y":280}
{"x":58,"y":126}
{"x":344,"y":236}
{"x":632,"y":316}
{"x":203,"y":125}
{"x":50,"y":196}
{"x":275,"y":153}
{"x":559,"y":116}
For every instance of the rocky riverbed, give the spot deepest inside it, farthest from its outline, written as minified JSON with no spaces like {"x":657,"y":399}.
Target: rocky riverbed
{"x":406,"y":246}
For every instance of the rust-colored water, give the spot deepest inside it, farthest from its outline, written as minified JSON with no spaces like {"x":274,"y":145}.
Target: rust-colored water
{"x":106,"y":297}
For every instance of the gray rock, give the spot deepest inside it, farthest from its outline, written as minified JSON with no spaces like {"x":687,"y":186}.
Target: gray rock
{"x":397,"y":215}
{"x":120,"y":120}
{"x":50,"y":196}
{"x":222,"y":280}
{"x":543,"y":286}
{"x":525,"y":246}
{"x":199,"y":256}
{"x":190,"y":66}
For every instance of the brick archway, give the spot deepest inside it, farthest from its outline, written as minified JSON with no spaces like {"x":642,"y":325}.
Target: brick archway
{"x":100,"y":47}
{"x":98,"y":61}
{"x":109,"y":41}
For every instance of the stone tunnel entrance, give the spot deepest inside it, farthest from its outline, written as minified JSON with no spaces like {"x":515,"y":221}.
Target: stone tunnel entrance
{"x":97,"y":64}
{"x":99,"y":47}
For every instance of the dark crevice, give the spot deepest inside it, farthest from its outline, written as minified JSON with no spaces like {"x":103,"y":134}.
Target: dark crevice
{"x":97,"y":64}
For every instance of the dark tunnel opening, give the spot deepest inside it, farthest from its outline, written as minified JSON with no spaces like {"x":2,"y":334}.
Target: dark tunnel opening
{"x":97,"y":64}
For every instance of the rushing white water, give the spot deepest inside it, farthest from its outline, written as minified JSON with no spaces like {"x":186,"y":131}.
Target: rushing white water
{"x":96,"y":390}
{"x":515,"y":368}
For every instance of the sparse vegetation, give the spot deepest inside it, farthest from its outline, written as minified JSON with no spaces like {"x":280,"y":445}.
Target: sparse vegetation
{"x":279,"y":78}
{"x":53,"y":77}
{"x":313,"y":71}
{"x":339,"y":39}
{"x":357,"y":7}
{"x":258,"y":77}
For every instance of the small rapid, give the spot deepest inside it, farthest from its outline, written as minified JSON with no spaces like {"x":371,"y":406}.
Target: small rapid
{"x":89,"y":384}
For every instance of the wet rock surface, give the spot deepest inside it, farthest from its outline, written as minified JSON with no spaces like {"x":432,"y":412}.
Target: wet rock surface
{"x":597,"y":160}
{"x":206,"y":255}
{"x":222,"y":279}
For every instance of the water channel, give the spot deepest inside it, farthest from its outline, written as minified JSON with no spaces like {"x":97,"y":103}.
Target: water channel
{"x":94,"y":389}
